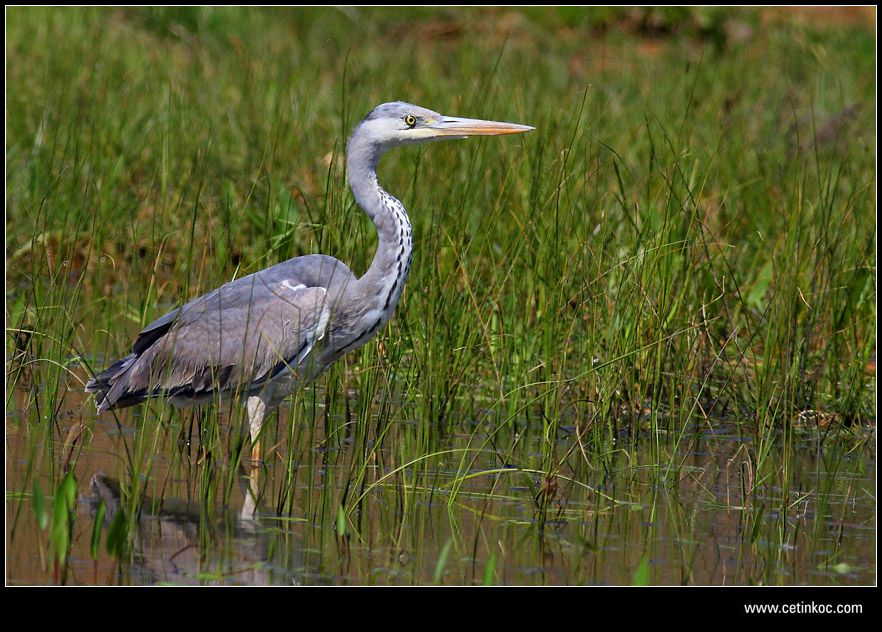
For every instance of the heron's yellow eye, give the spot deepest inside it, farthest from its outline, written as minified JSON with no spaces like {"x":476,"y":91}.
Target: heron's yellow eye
{"x":410,"y":120}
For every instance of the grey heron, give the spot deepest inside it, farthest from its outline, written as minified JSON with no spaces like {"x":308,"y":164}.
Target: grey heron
{"x":262,"y":336}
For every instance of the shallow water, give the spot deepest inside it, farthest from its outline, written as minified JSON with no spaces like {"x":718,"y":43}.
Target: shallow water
{"x":714,"y":520}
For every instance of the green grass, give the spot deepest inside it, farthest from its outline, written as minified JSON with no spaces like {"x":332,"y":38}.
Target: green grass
{"x":687,"y":239}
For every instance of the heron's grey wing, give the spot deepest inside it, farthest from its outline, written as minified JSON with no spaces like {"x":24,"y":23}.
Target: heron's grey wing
{"x":235,"y":338}
{"x":213,"y":331}
{"x":307,"y":270}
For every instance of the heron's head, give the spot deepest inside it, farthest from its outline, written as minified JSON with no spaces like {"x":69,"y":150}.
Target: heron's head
{"x":398,"y":123}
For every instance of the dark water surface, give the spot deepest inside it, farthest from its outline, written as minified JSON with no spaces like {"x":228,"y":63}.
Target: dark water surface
{"x":717,"y":519}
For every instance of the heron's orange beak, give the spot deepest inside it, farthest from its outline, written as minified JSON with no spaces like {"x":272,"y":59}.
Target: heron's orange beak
{"x":450,"y":127}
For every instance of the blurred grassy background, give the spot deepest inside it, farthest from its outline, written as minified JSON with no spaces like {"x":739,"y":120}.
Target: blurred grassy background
{"x":689,"y":233}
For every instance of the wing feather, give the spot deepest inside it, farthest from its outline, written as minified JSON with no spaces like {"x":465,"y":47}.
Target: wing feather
{"x":235,"y":338}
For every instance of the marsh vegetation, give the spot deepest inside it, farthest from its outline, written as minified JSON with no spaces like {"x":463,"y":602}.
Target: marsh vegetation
{"x":637,"y":345}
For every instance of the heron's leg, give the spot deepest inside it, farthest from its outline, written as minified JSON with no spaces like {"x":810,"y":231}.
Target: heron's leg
{"x":249,"y":506}
{"x":256,"y":413}
{"x":257,"y":406}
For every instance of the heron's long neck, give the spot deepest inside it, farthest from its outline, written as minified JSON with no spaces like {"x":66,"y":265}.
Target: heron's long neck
{"x":383,"y":282}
